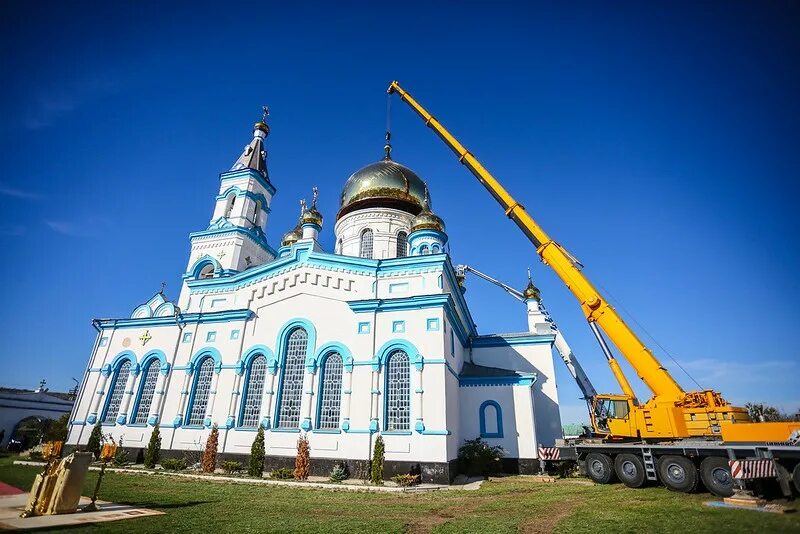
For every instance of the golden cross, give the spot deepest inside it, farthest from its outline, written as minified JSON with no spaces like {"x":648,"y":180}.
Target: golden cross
{"x":144,"y":338}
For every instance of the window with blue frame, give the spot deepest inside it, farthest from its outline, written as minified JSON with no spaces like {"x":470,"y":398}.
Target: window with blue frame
{"x":201,"y":391}
{"x":330,"y":392}
{"x":398,"y":389}
{"x":366,"y":244}
{"x":187,"y":337}
{"x":253,"y":392}
{"x":291,"y":388}
{"x":147,"y":391}
{"x":491,"y":419}
{"x":117,"y":390}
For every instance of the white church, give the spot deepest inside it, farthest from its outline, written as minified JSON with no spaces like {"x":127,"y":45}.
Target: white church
{"x":373,"y":338}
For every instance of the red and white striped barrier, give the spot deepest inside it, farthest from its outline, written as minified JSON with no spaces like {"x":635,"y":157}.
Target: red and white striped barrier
{"x":549,"y":453}
{"x":755,"y":468}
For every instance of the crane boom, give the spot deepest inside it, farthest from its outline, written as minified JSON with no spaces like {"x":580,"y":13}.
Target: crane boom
{"x":562,"y":347}
{"x":594,"y":306}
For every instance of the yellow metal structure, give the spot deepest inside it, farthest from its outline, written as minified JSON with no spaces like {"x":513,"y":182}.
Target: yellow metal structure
{"x":671,"y":412}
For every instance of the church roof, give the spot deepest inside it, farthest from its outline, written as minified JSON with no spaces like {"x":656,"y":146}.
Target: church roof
{"x":254,"y":155}
{"x":470,"y":370}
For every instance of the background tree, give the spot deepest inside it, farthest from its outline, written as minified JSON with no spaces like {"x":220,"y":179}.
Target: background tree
{"x":302,"y":463}
{"x":257,"y":452}
{"x":57,"y":430}
{"x":764,"y":412}
{"x":152,"y":455}
{"x":95,"y":440}
{"x":376,"y":471}
{"x":209,"y":463}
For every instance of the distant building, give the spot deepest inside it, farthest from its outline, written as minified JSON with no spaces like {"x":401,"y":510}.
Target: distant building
{"x":24,"y":409}
{"x":372,"y":338}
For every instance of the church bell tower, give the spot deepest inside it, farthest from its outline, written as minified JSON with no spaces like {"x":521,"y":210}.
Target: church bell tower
{"x":235,"y":239}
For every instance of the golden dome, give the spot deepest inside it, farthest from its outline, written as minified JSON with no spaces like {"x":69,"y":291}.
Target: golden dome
{"x":531,"y":292}
{"x":311,"y":216}
{"x":291,"y":237}
{"x":261,"y":125}
{"x":385,"y":184}
{"x":427,"y":220}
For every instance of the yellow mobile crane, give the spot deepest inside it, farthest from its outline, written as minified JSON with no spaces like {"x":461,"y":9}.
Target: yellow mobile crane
{"x":671,"y":413}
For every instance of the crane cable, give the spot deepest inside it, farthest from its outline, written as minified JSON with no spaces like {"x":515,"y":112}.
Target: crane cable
{"x":643,"y":329}
{"x":388,"y":147}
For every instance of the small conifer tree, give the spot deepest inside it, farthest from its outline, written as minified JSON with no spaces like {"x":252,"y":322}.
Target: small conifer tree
{"x":256,"y":468}
{"x":376,"y":472}
{"x":302,"y":463}
{"x":153,"y":453}
{"x":209,"y":463}
{"x":95,"y":440}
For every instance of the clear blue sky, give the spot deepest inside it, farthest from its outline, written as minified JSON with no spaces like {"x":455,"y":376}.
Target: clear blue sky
{"x":657,"y":141}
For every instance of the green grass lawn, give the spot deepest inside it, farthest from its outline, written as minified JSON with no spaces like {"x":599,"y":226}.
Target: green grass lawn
{"x":510,"y":504}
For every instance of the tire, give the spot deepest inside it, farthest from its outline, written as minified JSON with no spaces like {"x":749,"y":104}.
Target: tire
{"x":796,"y":478}
{"x":716,"y":476}
{"x":629,"y":468}
{"x":678,"y":473}
{"x":600,"y":468}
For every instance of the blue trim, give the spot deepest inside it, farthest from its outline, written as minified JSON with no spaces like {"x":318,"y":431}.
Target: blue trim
{"x":187,"y":337}
{"x":147,"y":361}
{"x":256,"y":197}
{"x":316,"y":361}
{"x":202,"y":353}
{"x":432,"y":324}
{"x":498,"y":415}
{"x":189,"y":318}
{"x":527,"y":379}
{"x":398,"y":327}
{"x":255,"y":234}
{"x":247,"y":363}
{"x":281,"y":343}
{"x":396,"y":433}
{"x":200,"y":263}
{"x":248,"y":173}
{"x":235,"y":334}
{"x":272,"y":361}
{"x":289,"y":430}
{"x":387,"y":351}
{"x":325,"y":352}
{"x":211,"y":336}
{"x":364,"y":327}
{"x":435,"y":432}
{"x":511,"y":340}
{"x":197,"y":361}
{"x":326,"y":431}
{"x":120,"y":359}
{"x":414,"y":357}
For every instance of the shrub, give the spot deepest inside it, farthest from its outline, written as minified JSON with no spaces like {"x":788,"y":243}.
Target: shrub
{"x":476,"y":457}
{"x":35,"y":456}
{"x":57,"y":430}
{"x":302,"y":463}
{"x":121,"y":457}
{"x":339,"y":473}
{"x":257,"y":452}
{"x":232,"y":466}
{"x":376,"y":470}
{"x":153,"y":453}
{"x":406,"y":480}
{"x":210,"y":452}
{"x":95,"y":440}
{"x":174,"y":464}
{"x":283,"y":473}
{"x":567,"y":469}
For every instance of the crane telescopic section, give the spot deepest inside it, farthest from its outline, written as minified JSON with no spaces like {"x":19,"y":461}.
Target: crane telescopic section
{"x":671,"y":412}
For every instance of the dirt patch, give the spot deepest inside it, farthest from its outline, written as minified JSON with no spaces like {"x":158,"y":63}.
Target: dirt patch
{"x":546,"y":521}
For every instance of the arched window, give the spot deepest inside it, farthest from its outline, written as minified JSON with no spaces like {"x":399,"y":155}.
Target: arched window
{"x":146,"y":392}
{"x":435,"y":249}
{"x":339,"y":246}
{"x":117,"y":390}
{"x":229,"y":204}
{"x":366,"y":243}
{"x":402,"y":244}
{"x":198,"y":402}
{"x":423,"y":250}
{"x":206,"y":272}
{"x":398,"y":386}
{"x":491,"y":419}
{"x":257,"y":214}
{"x":253,"y":392}
{"x":291,"y":389}
{"x":330,"y":392}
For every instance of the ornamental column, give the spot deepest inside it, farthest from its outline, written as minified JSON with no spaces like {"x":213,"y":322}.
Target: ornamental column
{"x":308,"y":399}
{"x":347,"y":391}
{"x":373,"y":421}
{"x":122,"y":418}
{"x":98,"y":395}
{"x":419,"y":426}
{"x":158,"y":395}
{"x":212,"y":396}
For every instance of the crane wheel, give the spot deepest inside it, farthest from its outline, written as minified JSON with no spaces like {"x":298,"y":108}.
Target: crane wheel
{"x":630,"y":470}
{"x":600,"y":468}
{"x":716,"y":476}
{"x":678,"y":473}
{"x":796,"y":478}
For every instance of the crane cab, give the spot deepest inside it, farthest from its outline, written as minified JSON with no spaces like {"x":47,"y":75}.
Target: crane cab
{"x":611,"y":415}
